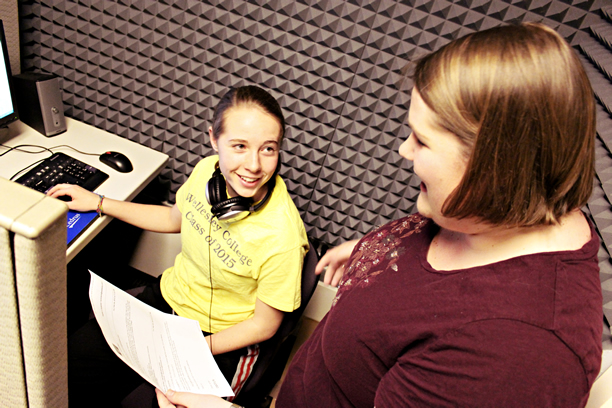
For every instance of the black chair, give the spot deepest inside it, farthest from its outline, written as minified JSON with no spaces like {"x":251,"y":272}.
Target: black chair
{"x":273,"y":353}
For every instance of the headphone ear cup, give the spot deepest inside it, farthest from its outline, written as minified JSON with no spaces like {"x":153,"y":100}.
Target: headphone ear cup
{"x":215,"y":188}
{"x":221,"y":206}
{"x":231,"y":208}
{"x":224,"y":208}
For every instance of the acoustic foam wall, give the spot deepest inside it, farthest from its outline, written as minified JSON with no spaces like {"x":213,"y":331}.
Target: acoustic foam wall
{"x":152,"y":71}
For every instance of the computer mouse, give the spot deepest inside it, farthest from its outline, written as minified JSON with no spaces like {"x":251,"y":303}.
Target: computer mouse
{"x":117,"y":161}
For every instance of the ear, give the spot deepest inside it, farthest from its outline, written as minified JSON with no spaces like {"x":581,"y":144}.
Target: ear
{"x":213,"y":141}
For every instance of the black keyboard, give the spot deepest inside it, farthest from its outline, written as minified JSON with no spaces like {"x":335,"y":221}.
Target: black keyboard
{"x":61,"y":168}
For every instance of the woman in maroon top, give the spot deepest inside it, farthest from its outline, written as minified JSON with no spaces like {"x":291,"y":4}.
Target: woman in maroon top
{"x":490,"y":295}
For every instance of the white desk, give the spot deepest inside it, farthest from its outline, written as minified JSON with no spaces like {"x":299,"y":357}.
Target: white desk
{"x":147,"y":163}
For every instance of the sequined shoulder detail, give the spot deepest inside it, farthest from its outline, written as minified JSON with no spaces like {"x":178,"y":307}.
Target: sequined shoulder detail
{"x":378,"y":252}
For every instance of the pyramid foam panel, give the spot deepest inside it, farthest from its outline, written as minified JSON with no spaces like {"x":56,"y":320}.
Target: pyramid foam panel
{"x":152,"y":71}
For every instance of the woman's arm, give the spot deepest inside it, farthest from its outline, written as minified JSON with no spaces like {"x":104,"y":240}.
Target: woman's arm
{"x":264,"y":323}
{"x":157,"y":218}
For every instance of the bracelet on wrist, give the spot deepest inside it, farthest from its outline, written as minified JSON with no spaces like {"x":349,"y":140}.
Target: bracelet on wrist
{"x":99,"y":210}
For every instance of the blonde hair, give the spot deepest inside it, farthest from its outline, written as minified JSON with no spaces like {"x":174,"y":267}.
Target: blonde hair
{"x":519,"y":100}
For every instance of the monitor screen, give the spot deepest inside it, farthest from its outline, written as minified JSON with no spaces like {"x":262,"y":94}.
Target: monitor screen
{"x":8,"y":104}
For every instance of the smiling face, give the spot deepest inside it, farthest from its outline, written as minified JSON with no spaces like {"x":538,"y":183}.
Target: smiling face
{"x":248,"y":150}
{"x":438,"y":159}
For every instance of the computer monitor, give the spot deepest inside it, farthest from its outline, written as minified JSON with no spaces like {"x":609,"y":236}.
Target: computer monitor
{"x":8,"y":103}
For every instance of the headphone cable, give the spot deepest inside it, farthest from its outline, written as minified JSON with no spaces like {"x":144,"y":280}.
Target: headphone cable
{"x":211,"y":285}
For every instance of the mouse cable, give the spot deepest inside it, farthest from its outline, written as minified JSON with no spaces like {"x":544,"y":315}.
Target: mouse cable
{"x":43,"y":149}
{"x":27,"y":168}
{"x":76,"y":150}
{"x":21,"y":146}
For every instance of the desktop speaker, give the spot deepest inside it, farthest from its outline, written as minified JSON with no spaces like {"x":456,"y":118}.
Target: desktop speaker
{"x":39,"y":102}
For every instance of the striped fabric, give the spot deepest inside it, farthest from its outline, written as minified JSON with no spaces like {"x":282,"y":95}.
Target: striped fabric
{"x":244,"y":369}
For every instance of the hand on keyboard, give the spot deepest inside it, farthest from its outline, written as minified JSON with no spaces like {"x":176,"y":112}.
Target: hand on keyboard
{"x":80,"y":198}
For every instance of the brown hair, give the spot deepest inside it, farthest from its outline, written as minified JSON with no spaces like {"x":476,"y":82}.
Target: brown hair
{"x":519,"y":100}
{"x":244,"y":96}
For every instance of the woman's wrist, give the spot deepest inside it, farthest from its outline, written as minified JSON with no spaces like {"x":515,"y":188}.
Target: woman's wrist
{"x":99,"y":209}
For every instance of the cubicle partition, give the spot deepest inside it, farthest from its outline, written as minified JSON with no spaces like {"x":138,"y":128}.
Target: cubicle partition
{"x":33,"y":344}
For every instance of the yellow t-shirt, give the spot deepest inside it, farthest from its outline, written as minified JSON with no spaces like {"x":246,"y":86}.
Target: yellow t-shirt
{"x":258,"y":257}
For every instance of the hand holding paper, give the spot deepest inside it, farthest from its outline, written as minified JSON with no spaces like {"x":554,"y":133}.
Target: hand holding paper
{"x":187,"y":400}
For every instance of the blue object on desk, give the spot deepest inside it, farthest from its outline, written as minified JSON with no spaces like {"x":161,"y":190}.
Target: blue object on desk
{"x":77,"y":223}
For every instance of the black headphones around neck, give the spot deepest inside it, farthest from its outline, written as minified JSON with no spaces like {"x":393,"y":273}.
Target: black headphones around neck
{"x":227,"y":208}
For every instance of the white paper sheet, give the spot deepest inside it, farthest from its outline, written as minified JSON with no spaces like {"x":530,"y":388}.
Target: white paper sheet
{"x":168,"y":351}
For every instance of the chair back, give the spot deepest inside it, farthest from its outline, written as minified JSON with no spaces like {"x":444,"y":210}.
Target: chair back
{"x":274,"y":352}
